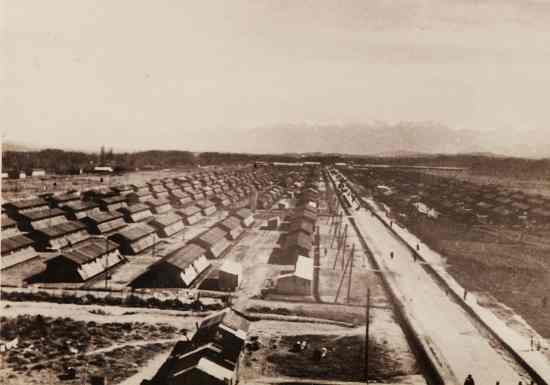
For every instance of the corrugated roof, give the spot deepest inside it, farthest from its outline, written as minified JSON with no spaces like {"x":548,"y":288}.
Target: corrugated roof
{"x":28,"y":203}
{"x":203,"y":204}
{"x":42,"y":214}
{"x":89,"y":250}
{"x":65,"y":197}
{"x":190,"y":210}
{"x":135,"y":208}
{"x":230,"y":223}
{"x":15,"y":243}
{"x":167,"y":219}
{"x":104,"y":216}
{"x":156,"y":202}
{"x":79,"y":205}
{"x":113,"y":199}
{"x":185,"y":256}
{"x":135,"y":232}
{"x":62,"y":229}
{"x":213,"y":236}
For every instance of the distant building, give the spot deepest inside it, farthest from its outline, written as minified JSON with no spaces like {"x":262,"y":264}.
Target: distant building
{"x":104,"y":222}
{"x":16,"y":250}
{"x":63,"y":235}
{"x":167,"y":224}
{"x":135,"y":239}
{"x":158,"y":206}
{"x":212,"y":357}
{"x":38,"y":172}
{"x":246,"y":217}
{"x":232,"y":226}
{"x":35,"y":220}
{"x":300,"y":281}
{"x":213,"y":240}
{"x":80,"y":209}
{"x":179,"y":269}
{"x":136,"y":213}
{"x":190,"y":214}
{"x":81,"y":263}
{"x":230,"y":276}
{"x":103,"y":169}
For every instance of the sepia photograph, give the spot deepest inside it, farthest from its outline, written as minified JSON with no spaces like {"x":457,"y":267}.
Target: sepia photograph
{"x":275,"y":192}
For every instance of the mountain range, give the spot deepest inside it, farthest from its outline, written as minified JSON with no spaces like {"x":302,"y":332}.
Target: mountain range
{"x":373,"y":139}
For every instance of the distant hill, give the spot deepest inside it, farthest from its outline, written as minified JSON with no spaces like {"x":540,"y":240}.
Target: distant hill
{"x":383,"y":139}
{"x":405,"y":139}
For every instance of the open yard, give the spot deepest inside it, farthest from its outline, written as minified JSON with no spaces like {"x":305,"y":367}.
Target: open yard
{"x":48,"y":346}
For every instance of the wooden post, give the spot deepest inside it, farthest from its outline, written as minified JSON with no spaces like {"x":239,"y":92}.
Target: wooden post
{"x":350,"y":272}
{"x":367,"y":325}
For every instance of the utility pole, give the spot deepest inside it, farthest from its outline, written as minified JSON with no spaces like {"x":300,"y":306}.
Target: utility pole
{"x":350,"y":272}
{"x":367,"y":311}
{"x":106,"y":263}
{"x":344,"y":243}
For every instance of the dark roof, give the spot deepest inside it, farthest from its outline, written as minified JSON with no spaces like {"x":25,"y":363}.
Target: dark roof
{"x":212,"y":236}
{"x":27,"y":203}
{"x":122,"y":188}
{"x":203,"y":204}
{"x":230,"y":223}
{"x":185,"y":256}
{"x":167,"y":219}
{"x":65,"y":197}
{"x":135,"y":208}
{"x":156,"y":202}
{"x":43,"y":214}
{"x":79,"y":205}
{"x":89,"y":250}
{"x":104,"y":216}
{"x":135,"y":232}
{"x":62,"y":229}
{"x":190,"y":210}
{"x":15,"y":243}
{"x":113,"y":199}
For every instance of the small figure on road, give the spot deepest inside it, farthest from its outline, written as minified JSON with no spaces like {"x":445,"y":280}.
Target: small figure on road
{"x":391,"y":254}
{"x":465,"y":294}
{"x":417,"y":247}
{"x":391,"y":223}
{"x":469,"y":380}
{"x":532,"y":343}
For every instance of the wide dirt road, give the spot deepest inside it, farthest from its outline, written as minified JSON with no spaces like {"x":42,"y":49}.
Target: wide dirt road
{"x":460,"y":346}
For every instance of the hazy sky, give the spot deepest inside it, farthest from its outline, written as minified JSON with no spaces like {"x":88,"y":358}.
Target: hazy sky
{"x":194,"y":74}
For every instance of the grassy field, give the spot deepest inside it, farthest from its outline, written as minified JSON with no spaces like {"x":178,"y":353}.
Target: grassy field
{"x":528,"y":185}
{"x":47,"y":345}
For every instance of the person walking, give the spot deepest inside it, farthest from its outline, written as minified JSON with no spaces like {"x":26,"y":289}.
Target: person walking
{"x":465,"y":294}
{"x":469,"y":380}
